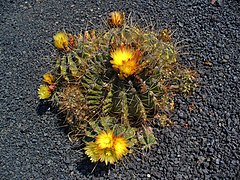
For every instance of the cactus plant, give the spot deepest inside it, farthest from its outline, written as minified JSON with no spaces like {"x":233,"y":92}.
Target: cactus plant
{"x":113,"y":82}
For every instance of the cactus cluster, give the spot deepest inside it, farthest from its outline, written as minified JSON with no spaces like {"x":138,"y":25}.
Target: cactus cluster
{"x":114,"y":81}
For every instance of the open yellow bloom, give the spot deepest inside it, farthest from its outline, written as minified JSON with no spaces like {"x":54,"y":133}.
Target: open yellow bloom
{"x":120,"y":147}
{"x":116,"y":19}
{"x":48,"y":78}
{"x":125,"y":60}
{"x":44,"y":92}
{"x":106,"y":155}
{"x":107,"y":148}
{"x":105,"y":139}
{"x":61,"y":40}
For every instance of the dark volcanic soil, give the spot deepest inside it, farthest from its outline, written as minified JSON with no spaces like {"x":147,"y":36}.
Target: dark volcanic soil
{"x":203,"y":144}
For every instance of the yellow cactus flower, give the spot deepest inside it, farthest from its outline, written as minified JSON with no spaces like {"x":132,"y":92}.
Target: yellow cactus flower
{"x":107,"y":148}
{"x":103,"y":155}
{"x":107,"y":156}
{"x":91,"y":150}
{"x":120,"y":147}
{"x":116,"y":19}
{"x":125,"y":60}
{"x":44,"y":92}
{"x":61,"y":40}
{"x":48,"y":78}
{"x":105,"y":139}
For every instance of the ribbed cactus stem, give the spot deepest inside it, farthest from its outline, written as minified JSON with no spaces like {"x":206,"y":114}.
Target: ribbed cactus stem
{"x":58,"y":63}
{"x":94,"y":97}
{"x":81,"y":62}
{"x":93,"y":102}
{"x":154,"y":100}
{"x":85,"y":85}
{"x":93,"y":92}
{"x":107,"y":103}
{"x":63,"y":68}
{"x":97,"y":86}
{"x":72,"y":66}
{"x":142,"y":111}
{"x":124,"y":106}
{"x":86,"y":82}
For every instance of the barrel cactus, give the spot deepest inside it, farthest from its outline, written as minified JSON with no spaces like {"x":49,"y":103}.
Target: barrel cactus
{"x":110,"y":83}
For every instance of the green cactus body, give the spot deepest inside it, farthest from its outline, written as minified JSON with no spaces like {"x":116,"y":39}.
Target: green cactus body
{"x":72,"y":66}
{"x":63,"y":68}
{"x":95,"y":94}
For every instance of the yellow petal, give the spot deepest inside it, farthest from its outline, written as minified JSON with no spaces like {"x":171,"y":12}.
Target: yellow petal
{"x":44,"y":92}
{"x":91,"y":150}
{"x":125,"y":60}
{"x":120,"y":146}
{"x":105,"y":139}
{"x":48,"y":78}
{"x":60,"y":40}
{"x":121,"y":54}
{"x":107,"y":156}
{"x":116,"y":19}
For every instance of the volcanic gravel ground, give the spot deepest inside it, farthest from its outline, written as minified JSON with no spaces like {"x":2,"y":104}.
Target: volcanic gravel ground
{"x":203,"y":143}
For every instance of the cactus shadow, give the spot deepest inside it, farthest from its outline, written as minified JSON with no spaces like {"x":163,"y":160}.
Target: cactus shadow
{"x":89,"y":169}
{"x":43,"y":107}
{"x":85,"y":166}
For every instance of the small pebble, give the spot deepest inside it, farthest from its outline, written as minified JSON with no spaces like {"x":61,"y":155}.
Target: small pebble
{"x":227,"y":57}
{"x":180,"y":24}
{"x":208,"y":63}
{"x":224,"y":61}
{"x":70,"y":167}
